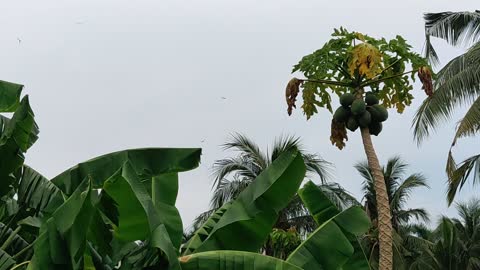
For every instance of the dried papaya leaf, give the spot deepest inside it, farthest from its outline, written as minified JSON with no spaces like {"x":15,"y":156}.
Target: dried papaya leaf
{"x":291,"y":93}
{"x":338,"y":135}
{"x":425,"y":76}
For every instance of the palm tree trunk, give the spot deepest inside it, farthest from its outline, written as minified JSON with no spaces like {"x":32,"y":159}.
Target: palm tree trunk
{"x":383,"y":205}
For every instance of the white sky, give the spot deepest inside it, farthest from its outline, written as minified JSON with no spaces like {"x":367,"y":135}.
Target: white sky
{"x":113,"y":74}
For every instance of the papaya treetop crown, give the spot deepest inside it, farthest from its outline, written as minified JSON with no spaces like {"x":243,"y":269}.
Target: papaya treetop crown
{"x":352,"y":62}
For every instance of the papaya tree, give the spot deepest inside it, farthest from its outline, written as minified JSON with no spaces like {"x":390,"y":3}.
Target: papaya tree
{"x":370,"y":75}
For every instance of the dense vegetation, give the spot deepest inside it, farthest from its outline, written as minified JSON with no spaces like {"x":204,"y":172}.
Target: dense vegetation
{"x":269,"y":210}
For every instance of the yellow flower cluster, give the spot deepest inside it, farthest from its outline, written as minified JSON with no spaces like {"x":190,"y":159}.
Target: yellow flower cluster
{"x":365,"y":59}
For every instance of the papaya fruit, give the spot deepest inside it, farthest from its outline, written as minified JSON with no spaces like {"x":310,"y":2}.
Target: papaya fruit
{"x":375,"y":128}
{"x":365,"y":119}
{"x":352,"y":123}
{"x":341,"y":114}
{"x":371,"y":99}
{"x":358,"y":107}
{"x":347,"y":99}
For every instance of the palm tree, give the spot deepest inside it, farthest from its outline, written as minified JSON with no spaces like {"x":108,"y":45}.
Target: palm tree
{"x":455,"y":243}
{"x":233,"y":175}
{"x":399,"y":190}
{"x":457,"y":84}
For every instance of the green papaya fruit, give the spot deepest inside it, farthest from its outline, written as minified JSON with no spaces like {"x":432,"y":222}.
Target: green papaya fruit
{"x":382,"y":113}
{"x":371,"y":99}
{"x":365,"y":119}
{"x":375,"y":128}
{"x":341,"y":114}
{"x":347,"y":99}
{"x":352,"y":123}
{"x":358,"y":107}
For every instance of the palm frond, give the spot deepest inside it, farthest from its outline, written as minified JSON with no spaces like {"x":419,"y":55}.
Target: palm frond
{"x":461,"y":174}
{"x":470,"y":123}
{"x":228,"y":190}
{"x":469,"y":212}
{"x":403,"y":191}
{"x":339,"y":196}
{"x":284,"y":143}
{"x":198,"y":222}
{"x":395,"y":168}
{"x":240,"y":166}
{"x":458,"y":83}
{"x":430,"y":52}
{"x":419,"y":229}
{"x":319,"y":166}
{"x":364,"y":170}
{"x":407,"y":215}
{"x":247,"y":148}
{"x":454,"y":27}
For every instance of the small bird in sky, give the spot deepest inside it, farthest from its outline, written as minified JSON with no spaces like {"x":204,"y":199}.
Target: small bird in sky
{"x":19,"y":40}
{"x":224,"y":98}
{"x":202,"y":141}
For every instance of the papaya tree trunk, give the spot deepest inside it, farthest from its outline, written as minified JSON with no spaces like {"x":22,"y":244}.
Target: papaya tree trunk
{"x":383,"y":205}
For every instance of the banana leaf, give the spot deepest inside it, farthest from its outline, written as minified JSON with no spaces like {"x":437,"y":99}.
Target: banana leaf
{"x":37,"y":192}
{"x":248,"y":221}
{"x":233,"y":260}
{"x":6,"y":261}
{"x":139,"y":218}
{"x":62,"y":240}
{"x":9,"y":96}
{"x":18,"y":135}
{"x":203,"y":232}
{"x":147,"y":163}
{"x":329,"y":247}
{"x":340,"y":230}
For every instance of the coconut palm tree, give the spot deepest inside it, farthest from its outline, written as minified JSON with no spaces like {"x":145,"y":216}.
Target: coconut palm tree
{"x":399,"y":190}
{"x":457,"y":84}
{"x":232,"y":175}
{"x":455,"y":243}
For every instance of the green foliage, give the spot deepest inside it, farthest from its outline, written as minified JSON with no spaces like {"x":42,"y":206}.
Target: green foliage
{"x":18,"y":134}
{"x":346,"y":226}
{"x":399,"y":189}
{"x":342,"y":66}
{"x":9,"y":96}
{"x":284,"y":242}
{"x":453,"y":244}
{"x":246,"y":224}
{"x":233,"y":260}
{"x":457,"y":85}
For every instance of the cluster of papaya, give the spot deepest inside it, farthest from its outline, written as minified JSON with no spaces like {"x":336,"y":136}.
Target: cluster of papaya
{"x":361,"y":113}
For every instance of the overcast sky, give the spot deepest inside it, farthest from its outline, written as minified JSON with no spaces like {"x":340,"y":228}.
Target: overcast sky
{"x":108,"y":75}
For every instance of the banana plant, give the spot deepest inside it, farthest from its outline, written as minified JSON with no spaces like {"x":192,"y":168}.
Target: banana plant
{"x":117,"y":211}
